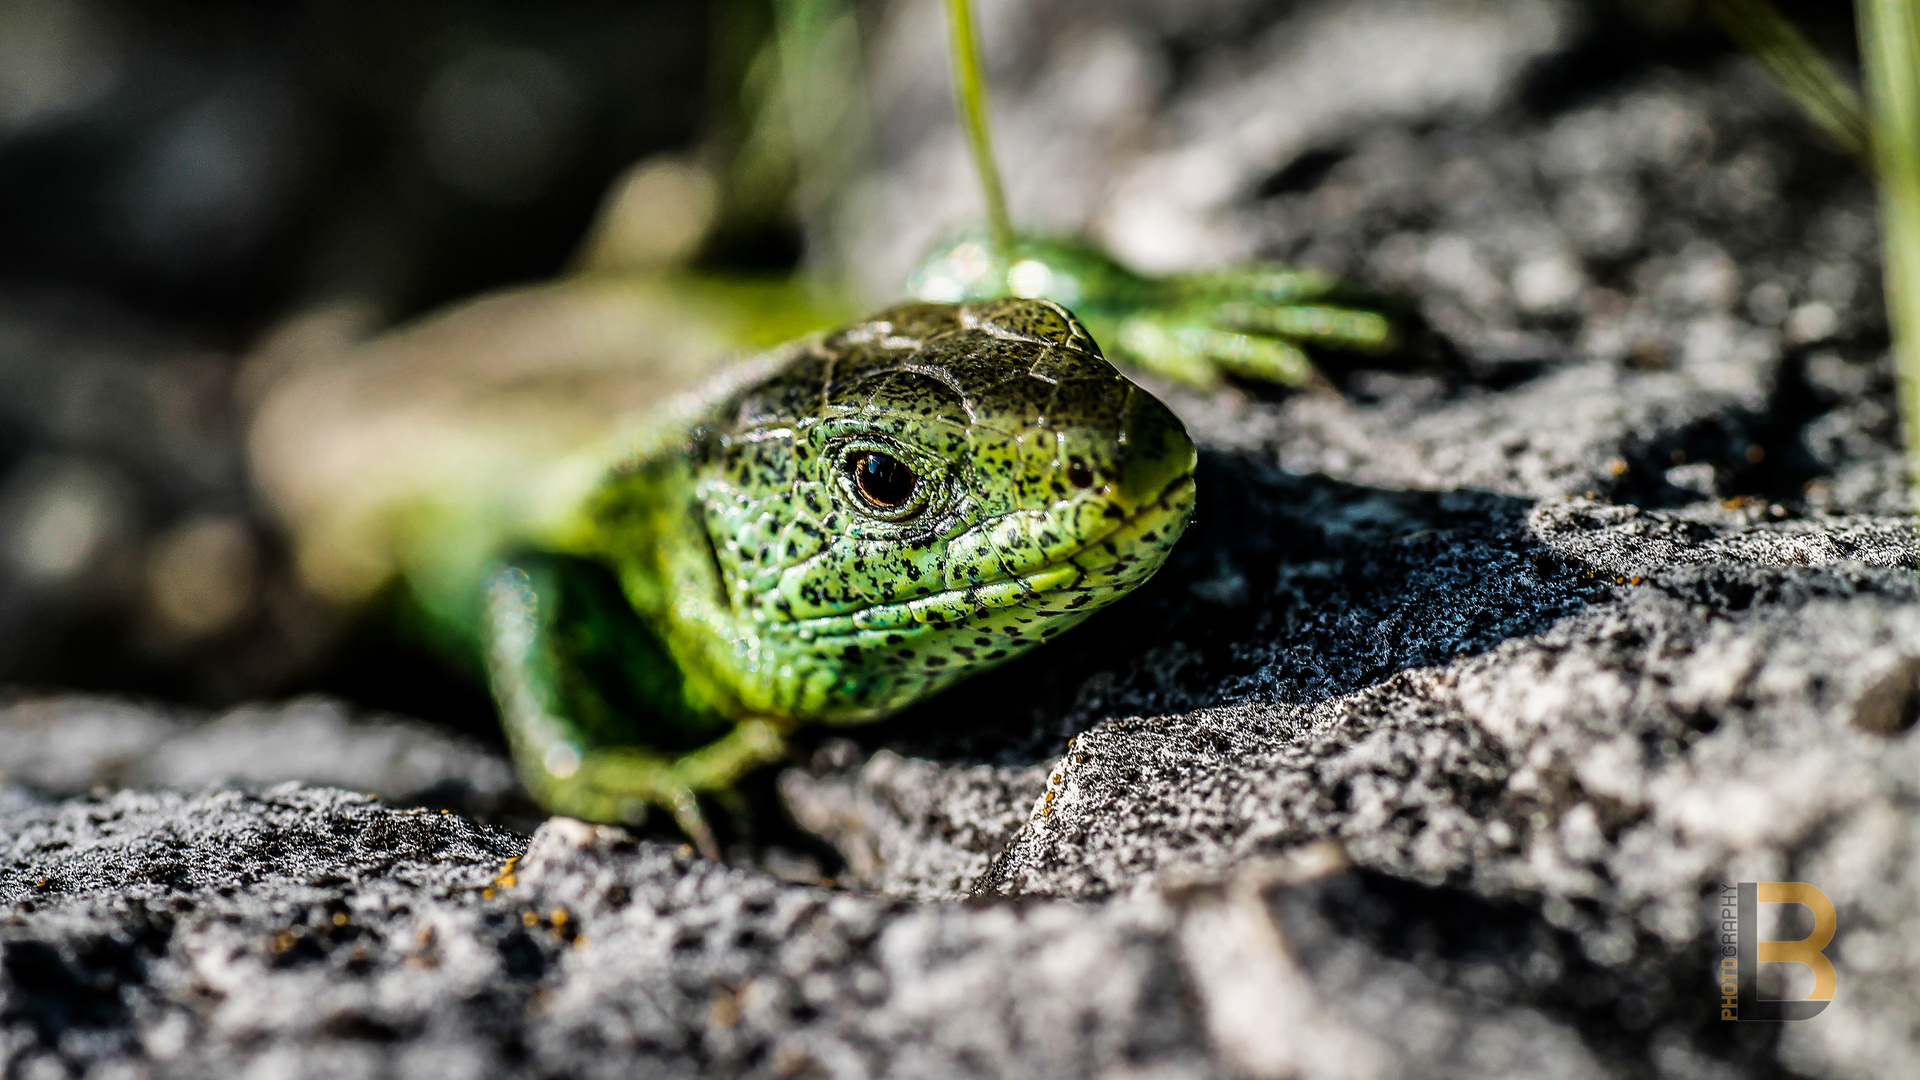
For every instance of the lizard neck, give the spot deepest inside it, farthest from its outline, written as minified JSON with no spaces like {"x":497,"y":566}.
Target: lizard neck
{"x":645,"y":525}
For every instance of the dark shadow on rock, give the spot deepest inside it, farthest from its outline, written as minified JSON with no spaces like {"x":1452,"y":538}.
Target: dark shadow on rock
{"x":1285,"y":589}
{"x":80,"y":992}
{"x":1614,"y":48}
{"x":1351,"y":932}
{"x":1752,"y":455}
{"x":387,"y":661}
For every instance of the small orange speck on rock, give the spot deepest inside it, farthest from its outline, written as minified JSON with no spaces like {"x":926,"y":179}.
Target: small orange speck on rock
{"x":340,"y":918}
{"x":1617,"y":466}
{"x":487,"y":894}
{"x":1634,"y":580}
{"x":559,"y":917}
{"x":529,"y":918}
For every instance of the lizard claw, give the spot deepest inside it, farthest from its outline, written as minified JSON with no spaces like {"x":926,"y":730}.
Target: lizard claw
{"x":1249,"y":322}
{"x":686,"y":814}
{"x":620,"y":783}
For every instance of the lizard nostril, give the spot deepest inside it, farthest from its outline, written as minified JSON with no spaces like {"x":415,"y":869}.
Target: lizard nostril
{"x":1158,"y":449}
{"x":1079,"y":474}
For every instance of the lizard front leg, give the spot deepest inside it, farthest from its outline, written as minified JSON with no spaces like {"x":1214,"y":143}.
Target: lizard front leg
{"x":1251,"y":322}
{"x":595,"y":710}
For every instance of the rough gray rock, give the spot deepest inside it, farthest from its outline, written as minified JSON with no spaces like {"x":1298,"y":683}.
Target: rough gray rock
{"x":304,"y":932}
{"x":907,"y":826}
{"x":68,"y":745}
{"x":1425,"y":755}
{"x":301,"y":932}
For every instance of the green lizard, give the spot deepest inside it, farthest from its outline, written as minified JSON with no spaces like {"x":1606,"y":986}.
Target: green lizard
{"x":671,"y":539}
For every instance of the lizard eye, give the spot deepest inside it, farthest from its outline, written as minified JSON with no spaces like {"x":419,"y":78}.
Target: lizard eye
{"x":884,"y":483}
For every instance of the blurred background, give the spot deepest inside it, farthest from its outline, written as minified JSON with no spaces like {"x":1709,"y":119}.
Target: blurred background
{"x":178,"y":178}
{"x":183,"y":184}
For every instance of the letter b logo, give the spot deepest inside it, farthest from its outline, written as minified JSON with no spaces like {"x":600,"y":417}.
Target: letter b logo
{"x":1808,"y":951}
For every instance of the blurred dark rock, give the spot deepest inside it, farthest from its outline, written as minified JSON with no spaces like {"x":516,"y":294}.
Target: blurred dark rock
{"x":215,"y":162}
{"x":176,"y":179}
{"x":67,"y":745}
{"x":132,"y":556}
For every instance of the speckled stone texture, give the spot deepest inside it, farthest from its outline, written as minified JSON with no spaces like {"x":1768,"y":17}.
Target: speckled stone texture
{"x":1425,"y":755}
{"x":68,"y":745}
{"x":310,"y":932}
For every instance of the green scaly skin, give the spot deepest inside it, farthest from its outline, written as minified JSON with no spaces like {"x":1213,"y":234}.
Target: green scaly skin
{"x":722,"y":592}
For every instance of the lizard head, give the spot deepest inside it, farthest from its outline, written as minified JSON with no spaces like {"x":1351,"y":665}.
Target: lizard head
{"x":926,"y":493}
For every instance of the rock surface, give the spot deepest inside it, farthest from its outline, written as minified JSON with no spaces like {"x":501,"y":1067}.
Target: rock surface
{"x":69,"y":745}
{"x":1426,"y":755}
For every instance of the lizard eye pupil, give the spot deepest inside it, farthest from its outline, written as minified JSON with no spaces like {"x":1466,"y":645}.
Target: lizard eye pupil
{"x":882,"y":480}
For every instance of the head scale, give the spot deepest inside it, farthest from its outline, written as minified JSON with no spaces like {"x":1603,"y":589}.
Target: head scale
{"x":927,"y":492}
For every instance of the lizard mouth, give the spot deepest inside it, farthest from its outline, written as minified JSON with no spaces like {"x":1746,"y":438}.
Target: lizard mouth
{"x":1098,"y":570}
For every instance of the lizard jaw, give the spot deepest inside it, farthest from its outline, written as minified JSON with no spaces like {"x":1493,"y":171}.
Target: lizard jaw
{"x":1076,"y":583}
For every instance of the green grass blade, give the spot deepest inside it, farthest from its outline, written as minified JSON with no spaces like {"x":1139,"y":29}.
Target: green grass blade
{"x":1799,"y":69}
{"x":1890,"y":49}
{"x":970,"y":85}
